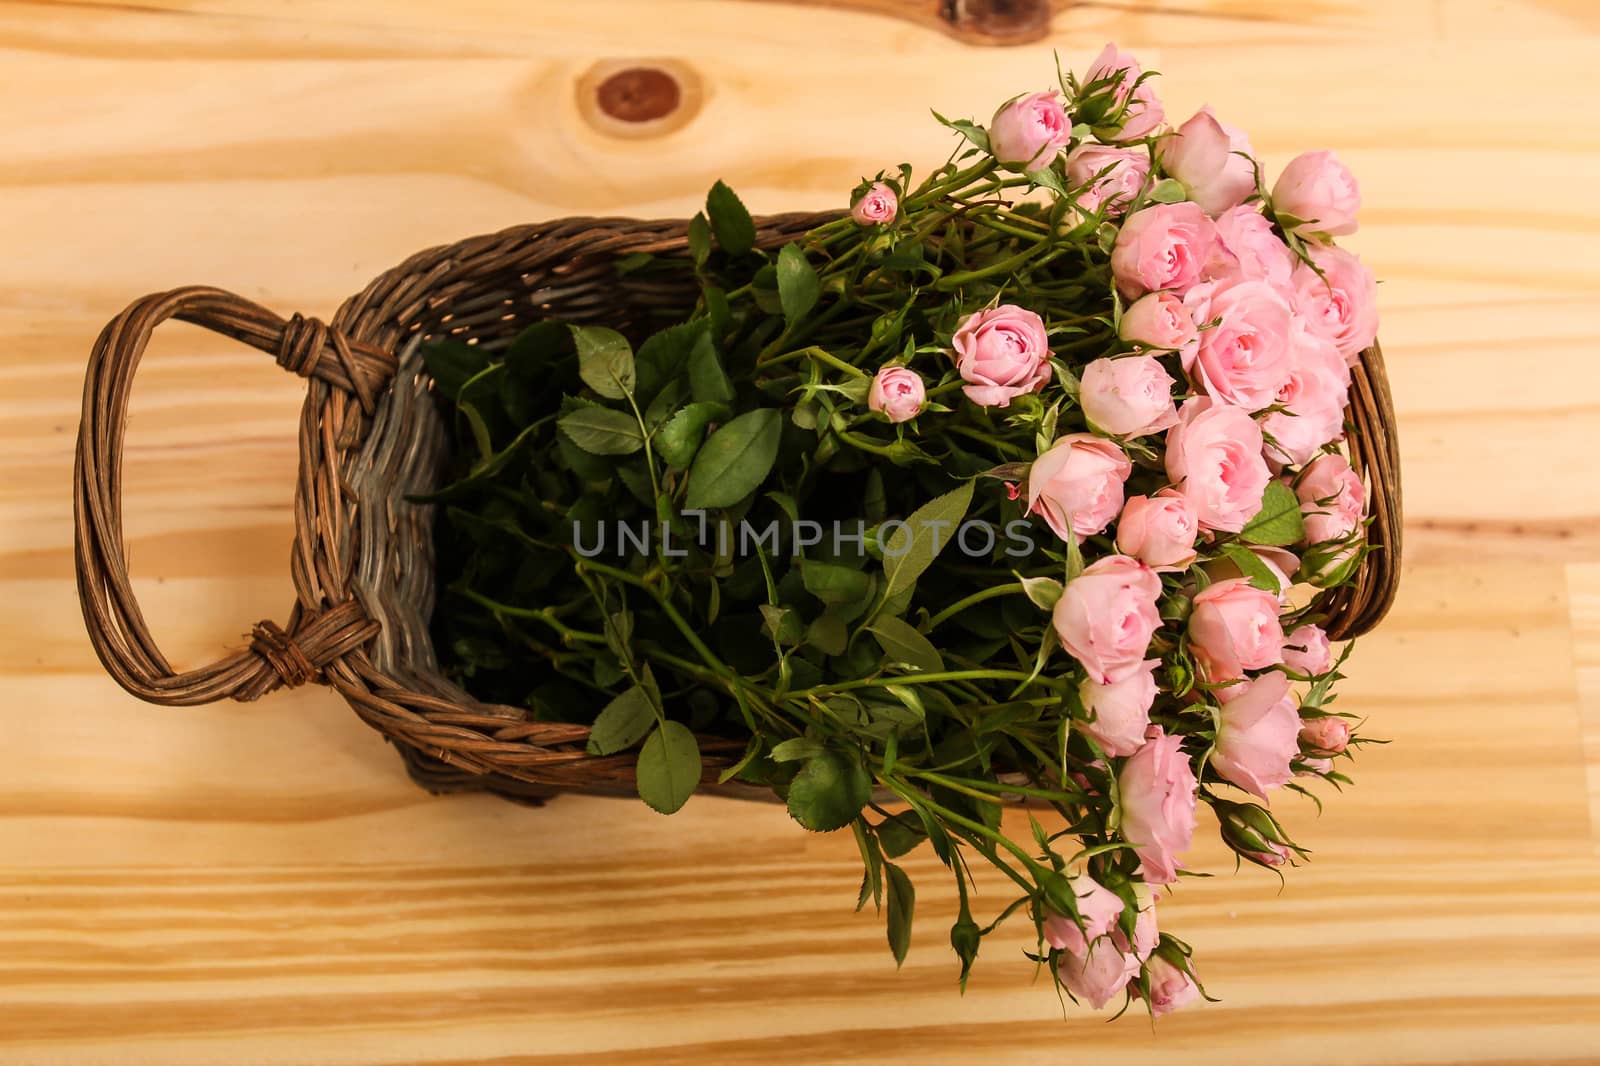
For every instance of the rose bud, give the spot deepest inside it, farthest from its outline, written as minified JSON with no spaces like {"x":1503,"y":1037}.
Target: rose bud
{"x":1106,"y":177}
{"x":1158,"y":790}
{"x":1076,"y":485}
{"x":1321,"y":194}
{"x":1120,"y":711}
{"x":1214,"y":459}
{"x":1258,"y":738}
{"x":1166,"y":246}
{"x":1098,"y":974}
{"x":1107,"y":615}
{"x":1001,"y":353}
{"x":1314,"y":397}
{"x":1307,"y":651}
{"x":1170,"y":987}
{"x":1129,"y":109}
{"x":1332,"y":499}
{"x":1328,"y":735}
{"x":1159,"y":531}
{"x":1245,"y":359}
{"x":897,"y":393}
{"x":1252,"y":833}
{"x":1203,"y":155}
{"x":1258,"y":253}
{"x":1128,"y":397}
{"x":1098,"y":910}
{"x":1027,"y":132}
{"x":878,"y":206}
{"x":1341,"y":303}
{"x":1234,"y":627}
{"x":1158,"y":320}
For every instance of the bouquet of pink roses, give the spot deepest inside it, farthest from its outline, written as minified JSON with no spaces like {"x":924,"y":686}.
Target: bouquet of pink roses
{"x":997,"y":489}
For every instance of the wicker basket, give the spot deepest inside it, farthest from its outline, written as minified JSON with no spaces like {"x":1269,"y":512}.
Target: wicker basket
{"x":370,"y":436}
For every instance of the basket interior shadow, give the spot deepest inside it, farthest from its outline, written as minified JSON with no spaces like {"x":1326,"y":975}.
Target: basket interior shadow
{"x":372,"y":437}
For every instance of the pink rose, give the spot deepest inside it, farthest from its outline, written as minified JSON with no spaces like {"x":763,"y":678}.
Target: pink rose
{"x":1098,"y":906}
{"x":1158,"y":320}
{"x":1098,"y":974}
{"x":897,"y":393}
{"x":1159,"y":531}
{"x":1275,"y":855}
{"x":1027,"y":132}
{"x":1341,"y":303}
{"x":1307,"y":651}
{"x":1314,"y":767}
{"x":1314,"y":396}
{"x":1158,"y":791}
{"x":1120,"y":711}
{"x":1128,"y":397}
{"x":1332,"y":499}
{"x":1166,"y":246}
{"x":1076,"y":485}
{"x":1107,"y":177}
{"x":1325,"y":736}
{"x":1001,"y":353}
{"x":1321,"y":192}
{"x":1170,"y":988}
{"x":1234,"y":627}
{"x":877,"y":206}
{"x":1202,"y":156}
{"x":1107,"y":615}
{"x":1261,"y":254}
{"x":1245,"y":358}
{"x":1214,"y":459}
{"x":1259,"y":734}
{"x":1138,"y":109}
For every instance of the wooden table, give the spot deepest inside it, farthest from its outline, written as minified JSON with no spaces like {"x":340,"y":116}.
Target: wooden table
{"x":261,"y":884}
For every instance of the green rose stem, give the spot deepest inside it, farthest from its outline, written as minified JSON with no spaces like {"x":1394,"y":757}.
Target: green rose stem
{"x":569,"y":636}
{"x":1009,"y":589}
{"x":916,"y":797}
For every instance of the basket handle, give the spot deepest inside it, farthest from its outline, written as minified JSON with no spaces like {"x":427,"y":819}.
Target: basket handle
{"x":277,"y":656}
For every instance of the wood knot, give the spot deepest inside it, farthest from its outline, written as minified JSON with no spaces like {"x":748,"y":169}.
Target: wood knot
{"x":639,"y":94}
{"x":634,"y":98}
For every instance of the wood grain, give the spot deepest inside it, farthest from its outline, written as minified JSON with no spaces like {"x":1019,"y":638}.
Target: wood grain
{"x":260,"y":884}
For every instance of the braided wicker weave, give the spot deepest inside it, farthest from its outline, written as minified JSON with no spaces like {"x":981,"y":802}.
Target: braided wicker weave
{"x":370,"y":437}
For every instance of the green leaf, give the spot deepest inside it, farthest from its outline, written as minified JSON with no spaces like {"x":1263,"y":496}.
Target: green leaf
{"x":833,"y":584}
{"x":902,"y":643}
{"x":913,"y":546}
{"x":902,"y":904}
{"x":796,"y":749}
{"x":669,"y":767}
{"x":452,"y":364}
{"x":1251,"y":566}
{"x":900,"y":834}
{"x":730,"y":221}
{"x":1043,"y":591}
{"x":708,"y":382}
{"x":828,"y":792}
{"x":699,"y":239}
{"x":1278,"y":523}
{"x":1046,"y":178}
{"x":602,"y":431}
{"x":623,"y":723}
{"x":735,"y":461}
{"x":797,"y":283}
{"x":605,"y":361}
{"x":828,"y":634}
{"x":970,"y":130}
{"x":679,"y":437}
{"x":663,"y":356}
